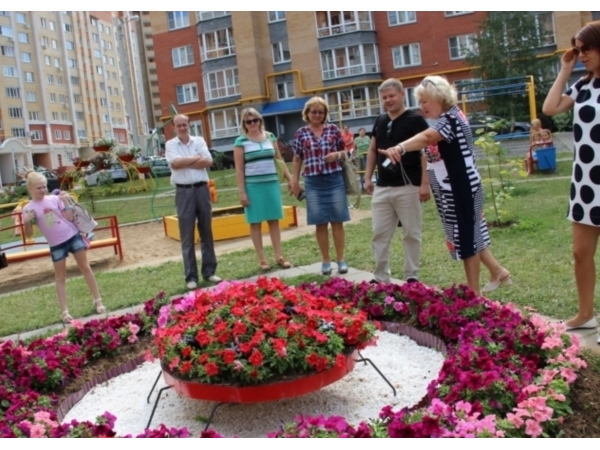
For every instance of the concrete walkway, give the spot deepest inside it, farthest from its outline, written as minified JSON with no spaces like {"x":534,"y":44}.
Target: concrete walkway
{"x":588,"y":337}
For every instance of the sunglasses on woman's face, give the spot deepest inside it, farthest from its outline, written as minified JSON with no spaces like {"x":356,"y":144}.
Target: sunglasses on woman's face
{"x":583,"y":49}
{"x":251,"y":121}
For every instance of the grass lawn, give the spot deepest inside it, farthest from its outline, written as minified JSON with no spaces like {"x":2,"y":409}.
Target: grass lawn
{"x":536,"y":250}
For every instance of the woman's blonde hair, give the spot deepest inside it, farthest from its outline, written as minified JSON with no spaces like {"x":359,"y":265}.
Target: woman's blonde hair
{"x":254,"y":113}
{"x":33,"y":177}
{"x":439,"y":89}
{"x":314,"y":101}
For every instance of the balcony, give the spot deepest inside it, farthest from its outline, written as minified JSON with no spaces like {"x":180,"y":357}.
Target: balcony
{"x":225,"y":132}
{"x":354,"y":110}
{"x":332,"y":30}
{"x":350,"y":71}
{"x":217,"y":53}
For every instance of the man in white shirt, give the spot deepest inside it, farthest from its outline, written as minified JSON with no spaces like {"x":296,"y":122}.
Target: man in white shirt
{"x":189,"y":158}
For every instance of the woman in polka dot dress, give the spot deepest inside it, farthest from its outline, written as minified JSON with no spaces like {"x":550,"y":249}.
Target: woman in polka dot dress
{"x":584,"y":205}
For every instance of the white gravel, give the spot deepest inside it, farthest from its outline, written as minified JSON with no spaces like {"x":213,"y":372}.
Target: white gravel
{"x":358,"y":396}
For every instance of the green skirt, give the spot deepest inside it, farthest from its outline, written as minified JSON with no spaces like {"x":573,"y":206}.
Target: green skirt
{"x":265,"y":201}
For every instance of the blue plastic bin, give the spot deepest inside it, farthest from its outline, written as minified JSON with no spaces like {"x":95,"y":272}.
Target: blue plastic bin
{"x":546,"y":158}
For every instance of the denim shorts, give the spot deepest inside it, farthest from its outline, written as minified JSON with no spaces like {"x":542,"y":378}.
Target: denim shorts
{"x":73,"y":245}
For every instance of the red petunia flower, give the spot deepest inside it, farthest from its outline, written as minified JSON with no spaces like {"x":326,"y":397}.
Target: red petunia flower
{"x":256,"y":359}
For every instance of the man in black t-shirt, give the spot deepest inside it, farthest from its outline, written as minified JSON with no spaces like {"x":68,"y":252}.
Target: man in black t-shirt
{"x":400,"y":188}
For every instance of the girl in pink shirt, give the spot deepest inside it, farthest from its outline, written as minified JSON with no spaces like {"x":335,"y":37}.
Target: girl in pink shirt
{"x":54,"y":218}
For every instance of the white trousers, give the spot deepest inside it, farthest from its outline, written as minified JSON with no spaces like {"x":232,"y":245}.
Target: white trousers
{"x":390,"y":205}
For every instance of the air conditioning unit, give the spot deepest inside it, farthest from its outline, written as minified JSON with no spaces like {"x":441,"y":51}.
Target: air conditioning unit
{"x":44,"y":46}
{"x":59,"y":69}
{"x":11,"y":39}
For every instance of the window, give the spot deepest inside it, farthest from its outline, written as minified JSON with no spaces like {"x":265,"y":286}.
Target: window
{"x":100,"y":27}
{"x":109,"y":90}
{"x":77,"y":98}
{"x":31,"y":96}
{"x":401,"y":17}
{"x":178,"y":19}
{"x":20,"y":18}
{"x":5,"y":50}
{"x":353,"y":103}
{"x":15,"y":113}
{"x":64,"y":117}
{"x":187,"y":93}
{"x":349,"y":61}
{"x":72,"y":63}
{"x":112,"y":106}
{"x":406,"y":55}
{"x":221,"y":84}
{"x":70,"y":45}
{"x":410,"y":100}
{"x":276,"y":16}
{"x":10,"y":71}
{"x":207,"y":15}
{"x":182,"y":56}
{"x":28,"y":77}
{"x":52,"y":25}
{"x":95,"y":37}
{"x":13,"y":92}
{"x":52,"y":97}
{"x":102,"y":85}
{"x":42,"y":22}
{"x":50,"y":79}
{"x":18,"y":132}
{"x":111,"y":61}
{"x":57,"y":62}
{"x":44,"y":41}
{"x":24,"y":38}
{"x":103,"y":102}
{"x":5,"y":31}
{"x":105,"y":118}
{"x":67,"y":135}
{"x":47,"y":60}
{"x":285,"y":89}
{"x":460,"y":44}
{"x":216,"y":44}
{"x":456,"y":13}
{"x":34,"y":115}
{"x":58,"y":135}
{"x":109,"y":45}
{"x":97,"y":54}
{"x":67,"y":27}
{"x":62,"y":98}
{"x":75,"y":80}
{"x":281,"y":52}
{"x":99,"y":70}
{"x":59,"y":80}
{"x":36,"y":135}
{"x":54,"y":44}
{"x":94,"y":21}
{"x":545,"y":28}
{"x":114,"y":76}
{"x":26,"y":57}
{"x":79,"y":115}
{"x":82,"y":133}
{"x":224,"y":123}
{"x":107,"y":30}
{"x":54,"y":116}
{"x":116,"y":91}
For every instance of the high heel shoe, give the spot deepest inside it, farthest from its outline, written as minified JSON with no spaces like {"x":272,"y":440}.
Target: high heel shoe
{"x":66,"y":317}
{"x":589,"y":325}
{"x":503,"y":278}
{"x":100,"y":309}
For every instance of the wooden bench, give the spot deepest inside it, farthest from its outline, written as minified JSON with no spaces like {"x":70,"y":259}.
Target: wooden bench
{"x":104,"y":223}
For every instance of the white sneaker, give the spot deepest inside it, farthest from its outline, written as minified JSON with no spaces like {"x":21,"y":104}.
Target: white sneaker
{"x":192,"y":285}
{"x":214,"y":279}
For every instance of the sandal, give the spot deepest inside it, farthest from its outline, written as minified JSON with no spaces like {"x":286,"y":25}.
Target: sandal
{"x":100,"y":309}
{"x":281,"y":262}
{"x":264,"y":265}
{"x":66,"y":317}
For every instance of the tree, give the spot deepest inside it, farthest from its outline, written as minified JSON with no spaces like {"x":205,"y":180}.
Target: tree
{"x":508,"y":46}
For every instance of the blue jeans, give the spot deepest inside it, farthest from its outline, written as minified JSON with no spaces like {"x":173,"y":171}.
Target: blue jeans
{"x":73,"y":245}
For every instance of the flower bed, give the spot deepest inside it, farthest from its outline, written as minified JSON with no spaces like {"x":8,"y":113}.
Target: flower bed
{"x":505,"y":374}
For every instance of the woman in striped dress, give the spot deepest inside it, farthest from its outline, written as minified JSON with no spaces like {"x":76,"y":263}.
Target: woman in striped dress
{"x":455,"y":181}
{"x":258,"y":184}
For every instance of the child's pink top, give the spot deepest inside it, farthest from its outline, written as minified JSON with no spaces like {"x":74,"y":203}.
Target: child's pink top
{"x":49,"y":219}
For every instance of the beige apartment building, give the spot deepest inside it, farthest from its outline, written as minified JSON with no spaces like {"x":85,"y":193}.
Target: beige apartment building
{"x":68,"y":78}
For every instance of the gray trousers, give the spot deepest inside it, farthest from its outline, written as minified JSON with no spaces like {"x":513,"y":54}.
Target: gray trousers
{"x":193,"y":205}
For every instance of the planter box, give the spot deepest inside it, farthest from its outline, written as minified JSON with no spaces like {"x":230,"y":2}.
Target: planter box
{"x":125,"y":158}
{"x":230,"y":223}
{"x":102,"y":148}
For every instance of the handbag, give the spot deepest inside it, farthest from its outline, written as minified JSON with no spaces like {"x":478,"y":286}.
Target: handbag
{"x":350,"y":176}
{"x":82,"y":219}
{"x":280,"y":167}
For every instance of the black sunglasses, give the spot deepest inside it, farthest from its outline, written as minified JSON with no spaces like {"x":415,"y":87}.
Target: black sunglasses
{"x":583,"y":49}
{"x":388,"y":133}
{"x":251,"y":121}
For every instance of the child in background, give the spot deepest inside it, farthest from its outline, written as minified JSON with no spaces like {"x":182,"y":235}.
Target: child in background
{"x":546,"y":136}
{"x":54,"y":218}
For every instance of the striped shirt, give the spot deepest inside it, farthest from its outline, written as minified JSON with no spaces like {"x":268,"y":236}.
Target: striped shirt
{"x":259,"y":158}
